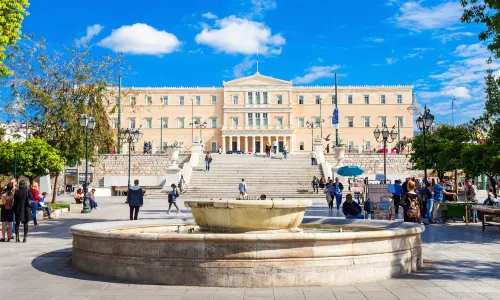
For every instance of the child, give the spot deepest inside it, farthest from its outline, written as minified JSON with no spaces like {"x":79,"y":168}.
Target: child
{"x":42,"y":205}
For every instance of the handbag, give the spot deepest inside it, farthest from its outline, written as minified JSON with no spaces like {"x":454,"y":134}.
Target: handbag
{"x":29,"y":202}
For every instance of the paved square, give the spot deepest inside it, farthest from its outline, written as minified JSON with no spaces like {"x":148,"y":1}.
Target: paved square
{"x":461,"y":262}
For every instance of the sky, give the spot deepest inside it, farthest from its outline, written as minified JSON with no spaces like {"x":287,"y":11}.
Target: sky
{"x":202,"y":43}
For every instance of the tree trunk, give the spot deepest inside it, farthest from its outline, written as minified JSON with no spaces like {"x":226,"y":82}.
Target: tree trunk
{"x":54,"y":190}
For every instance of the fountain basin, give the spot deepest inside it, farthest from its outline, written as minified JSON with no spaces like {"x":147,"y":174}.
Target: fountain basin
{"x":248,"y":215}
{"x":154,"y":251}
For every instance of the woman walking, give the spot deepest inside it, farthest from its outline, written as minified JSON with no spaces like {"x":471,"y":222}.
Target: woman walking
{"x":36,"y":199}
{"x":135,"y":199}
{"x":22,"y":209}
{"x":172,"y":197}
{"x":330,"y":194}
{"x":7,"y":216}
{"x":315,"y":184}
{"x":411,"y":204}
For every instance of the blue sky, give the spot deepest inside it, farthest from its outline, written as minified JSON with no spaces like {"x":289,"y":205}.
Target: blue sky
{"x":201,"y":43}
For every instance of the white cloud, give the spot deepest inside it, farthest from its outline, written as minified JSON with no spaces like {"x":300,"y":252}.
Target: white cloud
{"x":316,"y":72}
{"x":441,"y":62}
{"x":415,"y":17}
{"x":209,"y":15}
{"x":374,"y":39}
{"x":391,"y":60}
{"x":243,"y":68}
{"x":236,"y":35}
{"x":391,"y":2}
{"x":141,"y":39}
{"x":419,"y":52}
{"x":459,"y":92}
{"x":92,"y":31}
{"x":452,"y":36}
{"x":259,"y":7}
{"x":320,"y":59}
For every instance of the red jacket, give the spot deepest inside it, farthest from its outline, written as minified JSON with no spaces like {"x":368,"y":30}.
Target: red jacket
{"x":35,"y":195}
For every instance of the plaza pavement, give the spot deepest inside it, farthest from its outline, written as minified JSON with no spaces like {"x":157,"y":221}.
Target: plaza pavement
{"x":461,"y":262}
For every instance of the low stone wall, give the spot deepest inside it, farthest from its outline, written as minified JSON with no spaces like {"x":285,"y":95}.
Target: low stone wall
{"x":373,"y":163}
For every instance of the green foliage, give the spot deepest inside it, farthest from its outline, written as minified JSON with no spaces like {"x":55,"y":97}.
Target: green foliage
{"x":484,"y":12}
{"x":58,"y":205}
{"x":12,"y":13}
{"x":444,"y":145}
{"x":35,"y":157}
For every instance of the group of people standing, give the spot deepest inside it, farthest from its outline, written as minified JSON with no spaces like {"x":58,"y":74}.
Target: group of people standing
{"x":274,"y":148}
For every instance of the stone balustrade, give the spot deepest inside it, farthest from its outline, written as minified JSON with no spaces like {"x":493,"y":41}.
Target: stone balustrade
{"x":373,"y":163}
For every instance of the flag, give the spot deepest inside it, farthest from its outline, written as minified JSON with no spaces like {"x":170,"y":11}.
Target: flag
{"x":335,"y":117}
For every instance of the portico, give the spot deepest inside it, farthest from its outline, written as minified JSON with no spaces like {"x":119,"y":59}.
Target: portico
{"x":255,"y":143}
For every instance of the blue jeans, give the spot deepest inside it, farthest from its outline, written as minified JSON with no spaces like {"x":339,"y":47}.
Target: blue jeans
{"x":33,"y":212}
{"x":207,"y":165}
{"x":358,"y":216}
{"x":47,"y":209}
{"x":93,"y":204}
{"x":315,"y":188}
{"x":275,"y":148}
{"x":430,"y":205}
{"x":338,"y":198}
{"x":473,"y":215}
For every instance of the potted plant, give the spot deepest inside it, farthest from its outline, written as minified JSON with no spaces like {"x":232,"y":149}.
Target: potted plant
{"x":174,"y":150}
{"x":339,"y":150}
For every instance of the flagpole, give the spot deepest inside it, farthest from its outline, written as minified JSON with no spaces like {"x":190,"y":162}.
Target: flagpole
{"x":336,"y":107}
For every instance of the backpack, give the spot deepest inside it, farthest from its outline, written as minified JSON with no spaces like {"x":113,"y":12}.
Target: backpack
{"x":413,"y":209}
{"x":177,"y":193}
{"x":8,"y":203}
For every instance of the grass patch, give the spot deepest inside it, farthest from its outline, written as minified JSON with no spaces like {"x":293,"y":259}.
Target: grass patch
{"x":58,"y":205}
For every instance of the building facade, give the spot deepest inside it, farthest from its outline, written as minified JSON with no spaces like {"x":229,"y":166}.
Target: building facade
{"x":247,"y":113}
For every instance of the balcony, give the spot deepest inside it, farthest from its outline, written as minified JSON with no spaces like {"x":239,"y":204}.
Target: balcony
{"x":262,"y":129}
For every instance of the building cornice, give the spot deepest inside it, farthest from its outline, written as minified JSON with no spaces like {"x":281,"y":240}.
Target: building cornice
{"x":263,"y":87}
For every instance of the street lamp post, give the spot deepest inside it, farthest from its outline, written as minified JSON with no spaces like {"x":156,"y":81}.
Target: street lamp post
{"x":312,"y":124}
{"x":130,"y":136}
{"x":202,"y":126}
{"x":424,"y":123}
{"x":387,"y":137}
{"x":87,"y":123}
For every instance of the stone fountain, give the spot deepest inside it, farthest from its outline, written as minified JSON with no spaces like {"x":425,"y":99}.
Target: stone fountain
{"x":248,"y":244}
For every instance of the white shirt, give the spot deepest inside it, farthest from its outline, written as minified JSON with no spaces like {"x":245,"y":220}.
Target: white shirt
{"x":313,"y":154}
{"x":275,"y":144}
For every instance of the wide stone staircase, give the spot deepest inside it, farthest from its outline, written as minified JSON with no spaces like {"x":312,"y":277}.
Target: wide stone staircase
{"x":274,"y":177}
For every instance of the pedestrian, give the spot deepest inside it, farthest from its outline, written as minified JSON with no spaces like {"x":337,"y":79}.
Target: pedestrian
{"x":494,"y":183}
{"x":150,"y":147}
{"x":268,"y":150}
{"x":285,"y":151}
{"x":439,"y":193}
{"x":181,"y":183}
{"x":275,"y":146}
{"x":313,"y":159}
{"x":315,"y":184}
{"x":242,"y":187}
{"x":411,"y":204}
{"x":172,"y":198}
{"x":220,"y":150}
{"x":473,"y":198}
{"x":338,"y":192}
{"x":7,"y":214}
{"x":208,"y":161}
{"x":14,"y":189}
{"x":405,"y":185}
{"x":36,"y":199}
{"x":23,"y":199}
{"x":425,"y":194}
{"x":135,"y":198}
{"x":41,"y":204}
{"x":330,"y":194}
{"x":114,"y":150}
{"x":351,"y":209}
{"x":322,"y":182}
{"x":93,"y":202}
{"x":79,"y":196}
{"x":396,"y":196}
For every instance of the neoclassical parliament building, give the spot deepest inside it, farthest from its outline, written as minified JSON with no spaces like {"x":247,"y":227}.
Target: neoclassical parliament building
{"x":246,"y":113}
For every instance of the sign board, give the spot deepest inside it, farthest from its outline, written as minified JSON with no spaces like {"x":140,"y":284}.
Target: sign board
{"x":379,"y":177}
{"x":70,"y":171}
{"x":81,"y":178}
{"x":335,"y":117}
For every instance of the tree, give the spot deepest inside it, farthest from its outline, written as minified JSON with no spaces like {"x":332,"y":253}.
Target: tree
{"x":35,"y":158}
{"x":443,"y":144}
{"x":59,"y":86}
{"x":12,"y":14}
{"x":486,"y":13}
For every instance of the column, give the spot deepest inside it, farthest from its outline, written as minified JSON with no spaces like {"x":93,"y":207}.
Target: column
{"x":224,"y":143}
{"x":290,"y":120}
{"x":278,"y":140}
{"x":261,"y":144}
{"x":292,"y":142}
{"x":246,"y":143}
{"x":238,"y":138}
{"x":231,"y":143}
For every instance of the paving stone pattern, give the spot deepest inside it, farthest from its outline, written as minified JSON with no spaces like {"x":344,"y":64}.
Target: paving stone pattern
{"x":461,"y":262}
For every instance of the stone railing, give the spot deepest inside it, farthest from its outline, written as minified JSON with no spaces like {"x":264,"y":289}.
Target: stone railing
{"x":373,"y":163}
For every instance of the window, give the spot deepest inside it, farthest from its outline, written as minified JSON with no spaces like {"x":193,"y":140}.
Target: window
{"x":317,"y":99}
{"x":132,"y":100}
{"x":382,"y":99}
{"x":399,"y":99}
{"x":197,"y":100}
{"x":214,"y":122}
{"x":214,"y":100}
{"x":301,"y":145}
{"x":131,"y":123}
{"x":265,"y":119}
{"x":149,"y":100}
{"x":180,"y":123}
{"x":301,"y":99}
{"x":250,"y":98}
{"x":149,"y":123}
{"x":383,"y":121}
{"x":279,"y":121}
{"x":165,"y":100}
{"x":264,"y":94}
{"x":250,"y":119}
{"x":318,"y":121}
{"x":350,"y":145}
{"x":333,"y":100}
{"x":257,"y":119}
{"x":196,"y":121}
{"x":400,"y":121}
{"x":214,"y":146}
{"x":279,"y":99}
{"x":181,"y":100}
{"x":301,"y":122}
{"x":235,"y":122}
{"x":367,"y":145}
{"x":349,"y":99}
{"x":350,"y":121}
{"x":164,"y":122}
{"x":367,"y":121}
{"x":235,"y":99}
{"x":257,"y":97}
{"x":367,"y":99}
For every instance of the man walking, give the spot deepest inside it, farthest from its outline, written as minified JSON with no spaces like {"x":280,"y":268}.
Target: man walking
{"x":313,"y":159}
{"x":208,"y":161}
{"x":398,"y":192}
{"x":135,"y":198}
{"x":242,"y":187}
{"x":275,"y":146}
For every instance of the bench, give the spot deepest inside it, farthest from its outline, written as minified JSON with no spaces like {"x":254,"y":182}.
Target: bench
{"x":490,"y":214}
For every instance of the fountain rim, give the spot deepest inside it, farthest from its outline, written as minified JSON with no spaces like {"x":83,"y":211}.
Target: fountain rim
{"x":275,"y":203}
{"x":104,"y":230}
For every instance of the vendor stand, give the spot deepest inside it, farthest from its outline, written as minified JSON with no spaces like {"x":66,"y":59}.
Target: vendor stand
{"x":457,"y":210}
{"x":490,"y":215}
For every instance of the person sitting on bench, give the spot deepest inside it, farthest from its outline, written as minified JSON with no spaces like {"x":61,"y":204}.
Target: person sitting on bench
{"x":41,"y":205}
{"x":351,"y":209}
